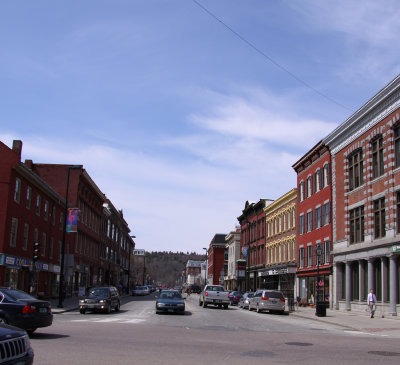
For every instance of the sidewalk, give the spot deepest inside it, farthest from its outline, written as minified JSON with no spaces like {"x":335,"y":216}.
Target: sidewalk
{"x":69,"y":304}
{"x":353,"y":321}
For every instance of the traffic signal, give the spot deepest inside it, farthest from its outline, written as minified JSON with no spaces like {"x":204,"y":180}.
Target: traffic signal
{"x":36,"y":247}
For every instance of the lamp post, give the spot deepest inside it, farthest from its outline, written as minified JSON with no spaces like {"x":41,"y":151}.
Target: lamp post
{"x":129,"y":265}
{"x":320,"y":307}
{"x":206,"y":268}
{"x":61,"y":282}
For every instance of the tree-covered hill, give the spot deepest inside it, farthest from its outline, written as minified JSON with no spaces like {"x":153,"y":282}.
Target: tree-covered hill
{"x":168,"y":267}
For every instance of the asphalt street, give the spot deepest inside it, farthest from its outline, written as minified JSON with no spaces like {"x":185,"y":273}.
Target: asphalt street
{"x":205,"y":336}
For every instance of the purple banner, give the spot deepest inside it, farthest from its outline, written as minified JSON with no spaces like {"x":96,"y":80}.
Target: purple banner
{"x":245,"y":251}
{"x":72,"y":220}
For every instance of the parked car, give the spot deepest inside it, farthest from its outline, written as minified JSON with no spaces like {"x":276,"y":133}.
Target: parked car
{"x":103,"y":298}
{"x":15,"y":346}
{"x":234,"y":297}
{"x":244,"y":300}
{"x":170,"y":301}
{"x":271,"y":300}
{"x":214,"y":295}
{"x":141,"y":290}
{"x":22,"y":310}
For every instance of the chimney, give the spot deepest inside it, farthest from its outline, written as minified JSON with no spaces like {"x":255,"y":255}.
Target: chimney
{"x":17,"y":147}
{"x":29,"y":164}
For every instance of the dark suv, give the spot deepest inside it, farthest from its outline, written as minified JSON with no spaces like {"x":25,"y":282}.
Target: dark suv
{"x":103,"y":299}
{"x":15,"y":346}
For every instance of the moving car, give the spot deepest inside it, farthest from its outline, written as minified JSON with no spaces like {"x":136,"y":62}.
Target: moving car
{"x":22,"y":310}
{"x":141,"y":290}
{"x":103,"y":298}
{"x":234,"y":297}
{"x":245,"y":299}
{"x":271,"y":300}
{"x":15,"y":346}
{"x":170,"y":301}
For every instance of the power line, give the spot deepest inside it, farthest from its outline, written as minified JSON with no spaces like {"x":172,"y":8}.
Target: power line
{"x":298,"y":79}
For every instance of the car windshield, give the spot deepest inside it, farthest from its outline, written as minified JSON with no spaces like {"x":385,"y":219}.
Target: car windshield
{"x":17,"y":294}
{"x":99,"y":292}
{"x":170,"y":295}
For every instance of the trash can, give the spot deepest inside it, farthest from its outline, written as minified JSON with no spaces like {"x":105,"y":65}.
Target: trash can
{"x":321,"y":309}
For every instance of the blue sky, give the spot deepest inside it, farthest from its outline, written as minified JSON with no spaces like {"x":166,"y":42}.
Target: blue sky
{"x":179,"y":115}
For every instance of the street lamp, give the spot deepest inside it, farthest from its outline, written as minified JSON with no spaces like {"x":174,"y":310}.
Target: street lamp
{"x":320,"y":308}
{"x":61,"y":282}
{"x":129,"y":264}
{"x":206,"y":268}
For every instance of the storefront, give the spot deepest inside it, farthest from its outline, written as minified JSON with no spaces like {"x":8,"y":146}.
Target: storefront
{"x":308,"y":287}
{"x":279,"y":278}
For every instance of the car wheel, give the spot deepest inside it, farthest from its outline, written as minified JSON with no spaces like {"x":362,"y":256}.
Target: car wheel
{"x":117,"y":307}
{"x":204,"y":304}
{"x":226,"y":306}
{"x":3,"y":320}
{"x":108,"y":309}
{"x":82,"y":311}
{"x":200,"y":303}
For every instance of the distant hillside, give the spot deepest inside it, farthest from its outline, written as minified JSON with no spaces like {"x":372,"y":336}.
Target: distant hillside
{"x":167,"y":267}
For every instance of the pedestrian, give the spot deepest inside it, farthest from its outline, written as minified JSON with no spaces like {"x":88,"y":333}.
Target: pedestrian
{"x":371,"y":301}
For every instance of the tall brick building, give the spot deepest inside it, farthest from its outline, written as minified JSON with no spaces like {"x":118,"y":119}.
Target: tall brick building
{"x":217,"y":260}
{"x":366,"y":203}
{"x":314,"y":223}
{"x":31,"y":211}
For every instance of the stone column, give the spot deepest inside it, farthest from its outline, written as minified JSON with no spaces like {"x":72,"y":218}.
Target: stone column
{"x":348,"y":285}
{"x":338,"y":279}
{"x":393,"y":284}
{"x":384,"y":279}
{"x":361,"y":275}
{"x":371,"y":275}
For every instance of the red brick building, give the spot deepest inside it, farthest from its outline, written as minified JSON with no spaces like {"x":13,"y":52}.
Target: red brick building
{"x":365,"y":153}
{"x":217,"y":260}
{"x":82,"y":266}
{"x":31,"y":211}
{"x":252,"y":241}
{"x":314,"y":223}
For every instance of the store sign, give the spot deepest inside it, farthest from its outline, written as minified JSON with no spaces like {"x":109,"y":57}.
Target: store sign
{"x":240,"y":273}
{"x":396,"y":248}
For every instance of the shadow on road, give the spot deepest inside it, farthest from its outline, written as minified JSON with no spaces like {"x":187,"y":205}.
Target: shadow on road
{"x":47,"y":336}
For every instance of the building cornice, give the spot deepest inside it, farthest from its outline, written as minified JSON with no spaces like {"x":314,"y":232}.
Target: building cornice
{"x":371,"y":113}
{"x":282,"y":201}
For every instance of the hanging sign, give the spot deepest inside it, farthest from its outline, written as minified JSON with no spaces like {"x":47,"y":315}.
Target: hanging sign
{"x":72,"y":220}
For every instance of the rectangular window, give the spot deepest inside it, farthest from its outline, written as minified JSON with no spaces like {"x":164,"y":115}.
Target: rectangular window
{"x":326,"y":214}
{"x":46,"y":210}
{"x":309,"y":186}
{"x":301,"y":224}
{"x":301,"y":257}
{"x":398,"y":212}
{"x":14,"y":231}
{"x":327,"y":252}
{"x":43,"y":246}
{"x":377,"y":157}
{"x":356,"y":170}
{"x":38,"y":204}
{"x":309,"y":222}
{"x":379,"y":218}
{"x":54,"y":215}
{"x":357,"y":225}
{"x":17,"y":191}
{"x":397,"y":144}
{"x":51,"y":248}
{"x":326,"y":175}
{"x":28,"y":197}
{"x":309,"y":256}
{"x":26,"y":237}
{"x":318,"y":218}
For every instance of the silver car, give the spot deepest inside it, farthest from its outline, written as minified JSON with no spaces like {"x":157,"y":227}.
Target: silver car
{"x":267,"y":300}
{"x":244,"y":300}
{"x":141,"y":290}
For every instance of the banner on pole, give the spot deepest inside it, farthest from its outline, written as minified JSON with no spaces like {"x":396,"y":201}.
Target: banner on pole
{"x":72,"y":220}
{"x":245,"y":251}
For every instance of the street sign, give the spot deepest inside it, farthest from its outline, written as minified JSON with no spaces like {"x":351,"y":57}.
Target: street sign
{"x":396,"y":248}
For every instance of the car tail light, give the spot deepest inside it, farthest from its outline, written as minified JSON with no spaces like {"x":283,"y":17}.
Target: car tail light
{"x":206,"y":293}
{"x":237,"y":298}
{"x":282,"y":299}
{"x":28,"y":309}
{"x":264,"y":298}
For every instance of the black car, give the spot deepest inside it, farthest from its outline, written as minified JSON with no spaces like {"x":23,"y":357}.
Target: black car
{"x":103,"y":299}
{"x":15,"y":346}
{"x":22,"y":310}
{"x":234,"y":297}
{"x":170,"y":301}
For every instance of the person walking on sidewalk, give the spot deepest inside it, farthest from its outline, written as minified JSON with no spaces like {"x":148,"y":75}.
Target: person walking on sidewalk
{"x":371,"y":301}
